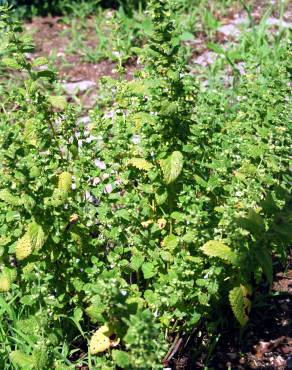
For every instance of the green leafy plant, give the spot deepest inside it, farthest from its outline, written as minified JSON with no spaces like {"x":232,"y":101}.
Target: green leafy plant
{"x":118,"y":236}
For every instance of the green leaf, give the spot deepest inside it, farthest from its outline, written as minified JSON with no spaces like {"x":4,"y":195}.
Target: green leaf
{"x":265,"y":260}
{"x":240,"y":304}
{"x":4,"y":240}
{"x":186,"y":36}
{"x":151,"y":297}
{"x":121,"y":358}
{"x":40,"y":357}
{"x":149,"y":270}
{"x":216,"y":248}
{"x":11,"y":63}
{"x":39,"y":62}
{"x":46,"y":74}
{"x":27,"y":300}
{"x":170,"y":242}
{"x":161,"y":197}
{"x":137,"y":261}
{"x":166,"y":256}
{"x":178,"y":216}
{"x":171,"y":167}
{"x":22,"y":360}
{"x":253,"y":222}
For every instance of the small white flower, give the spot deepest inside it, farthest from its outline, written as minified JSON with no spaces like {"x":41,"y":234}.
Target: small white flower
{"x":100,"y":164}
{"x":108,"y":188}
{"x":136,"y":139}
{"x":96,"y":181}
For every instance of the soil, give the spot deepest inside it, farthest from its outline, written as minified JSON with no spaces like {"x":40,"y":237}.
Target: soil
{"x":50,"y":37}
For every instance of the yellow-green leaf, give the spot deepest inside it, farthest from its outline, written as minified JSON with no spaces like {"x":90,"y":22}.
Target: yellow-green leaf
{"x":11,"y":63}
{"x":171,"y":167}
{"x":36,"y":235}
{"x":216,"y":248}
{"x":240,"y":304}
{"x":58,"y":102}
{"x":65,"y":181}
{"x":140,"y":163}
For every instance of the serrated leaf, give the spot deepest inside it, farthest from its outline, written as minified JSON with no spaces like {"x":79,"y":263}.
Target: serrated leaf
{"x":149,"y":270}
{"x":9,"y":198}
{"x":30,"y":133}
{"x":121,"y":358}
{"x":11,"y":63}
{"x":22,"y":360}
{"x":216,"y":248}
{"x":140,"y":163}
{"x":171,"y":167}
{"x":240,"y":304}
{"x":253,"y":222}
{"x":40,"y":357}
{"x":36,"y":235}
{"x":170,"y":242}
{"x":161,"y":197}
{"x":58,"y":102}
{"x":142,"y":118}
{"x":4,"y":240}
{"x":166,"y":256}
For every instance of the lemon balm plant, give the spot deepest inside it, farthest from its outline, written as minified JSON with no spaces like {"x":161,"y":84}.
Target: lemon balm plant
{"x":195,"y":183}
{"x":44,"y":218}
{"x":117,"y":237}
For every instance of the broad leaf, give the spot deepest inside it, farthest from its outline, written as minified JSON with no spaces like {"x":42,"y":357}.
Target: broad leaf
{"x":240,"y":304}
{"x":216,"y":248}
{"x":171,"y":167}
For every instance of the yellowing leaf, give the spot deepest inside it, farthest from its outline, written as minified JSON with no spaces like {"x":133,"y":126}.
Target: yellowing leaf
{"x":36,"y":235}
{"x":161,"y":222}
{"x":7,"y":277}
{"x":99,"y":341}
{"x":5,"y":283}
{"x":58,"y":102}
{"x":216,"y":248}
{"x":65,"y":181}
{"x":240,"y":304}
{"x":22,"y":360}
{"x":23,"y":248}
{"x":171,"y":167}
{"x":140,"y":163}
{"x":147,"y":223}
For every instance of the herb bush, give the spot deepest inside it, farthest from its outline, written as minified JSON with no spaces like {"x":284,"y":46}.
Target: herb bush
{"x":118,"y":236}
